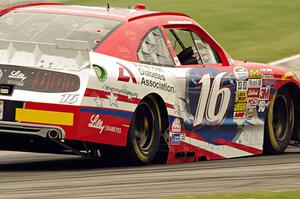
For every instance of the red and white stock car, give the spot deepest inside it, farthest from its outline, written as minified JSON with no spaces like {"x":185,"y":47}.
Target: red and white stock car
{"x":137,"y":85}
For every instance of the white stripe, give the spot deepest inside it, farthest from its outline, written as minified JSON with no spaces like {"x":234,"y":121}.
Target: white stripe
{"x":288,"y":59}
{"x":222,"y":150}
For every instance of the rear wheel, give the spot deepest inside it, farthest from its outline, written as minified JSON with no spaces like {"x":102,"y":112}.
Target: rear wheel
{"x":279,"y":123}
{"x":144,"y":133}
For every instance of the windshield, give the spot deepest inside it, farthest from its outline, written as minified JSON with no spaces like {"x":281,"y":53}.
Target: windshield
{"x":48,"y":28}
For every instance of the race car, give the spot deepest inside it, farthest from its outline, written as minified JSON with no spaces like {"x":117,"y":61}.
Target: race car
{"x":135,"y":85}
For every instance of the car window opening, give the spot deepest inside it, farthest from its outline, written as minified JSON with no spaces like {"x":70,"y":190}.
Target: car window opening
{"x":192,"y":49}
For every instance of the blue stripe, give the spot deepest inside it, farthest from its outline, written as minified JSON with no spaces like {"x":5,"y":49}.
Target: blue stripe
{"x":115,"y":113}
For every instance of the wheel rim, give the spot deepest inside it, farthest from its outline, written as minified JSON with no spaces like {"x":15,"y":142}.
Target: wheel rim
{"x":144,"y":129}
{"x":280,"y":118}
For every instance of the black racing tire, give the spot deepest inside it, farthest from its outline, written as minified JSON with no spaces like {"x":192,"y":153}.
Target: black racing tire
{"x":279,"y":123}
{"x":144,"y":133}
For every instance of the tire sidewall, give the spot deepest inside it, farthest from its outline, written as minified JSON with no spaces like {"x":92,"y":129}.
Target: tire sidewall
{"x":135,"y":154}
{"x":272,"y":145}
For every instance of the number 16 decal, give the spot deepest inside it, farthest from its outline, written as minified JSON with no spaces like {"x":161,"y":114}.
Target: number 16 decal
{"x":213,"y":101}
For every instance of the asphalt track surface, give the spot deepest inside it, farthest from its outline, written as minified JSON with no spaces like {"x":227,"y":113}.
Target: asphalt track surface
{"x":27,"y":175}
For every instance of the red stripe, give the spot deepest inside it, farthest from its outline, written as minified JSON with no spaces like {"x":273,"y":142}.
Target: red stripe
{"x":104,"y":94}
{"x":238,"y":146}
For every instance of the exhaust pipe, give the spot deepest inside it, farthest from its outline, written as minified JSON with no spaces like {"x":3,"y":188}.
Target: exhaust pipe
{"x":53,"y":134}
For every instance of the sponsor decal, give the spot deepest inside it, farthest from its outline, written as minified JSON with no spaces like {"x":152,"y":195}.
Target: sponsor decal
{"x":183,"y":137}
{"x":254,"y":83}
{"x":241,"y":73}
{"x":255,"y":74}
{"x":286,"y":75}
{"x":17,"y":77}
{"x":268,"y":82}
{"x":97,"y":123}
{"x":155,"y":78}
{"x":157,"y":84}
{"x":113,"y":129}
{"x":153,"y":74}
{"x":241,"y":96}
{"x":264,"y":93}
{"x":151,"y":77}
{"x":242,"y":85}
{"x":239,"y":115}
{"x":123,"y":91}
{"x":262,"y":105}
{"x":253,"y":92}
{"x":101,"y":73}
{"x":250,"y":113}
{"x":240,"y":107}
{"x":176,"y":126}
{"x":175,"y":139}
{"x":69,"y":98}
{"x":252,"y":102}
{"x":125,"y":75}
{"x":39,"y":80}
{"x":123,"y":50}
{"x":267,"y":73}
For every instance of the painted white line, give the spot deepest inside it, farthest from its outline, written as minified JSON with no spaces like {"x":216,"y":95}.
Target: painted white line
{"x":8,"y":153}
{"x":287,"y":59}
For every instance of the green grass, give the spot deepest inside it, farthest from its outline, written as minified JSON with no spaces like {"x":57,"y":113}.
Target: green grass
{"x":256,"y":30}
{"x":247,"y":195}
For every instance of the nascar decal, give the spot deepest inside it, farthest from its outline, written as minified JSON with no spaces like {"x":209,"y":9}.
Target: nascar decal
{"x":241,"y":73}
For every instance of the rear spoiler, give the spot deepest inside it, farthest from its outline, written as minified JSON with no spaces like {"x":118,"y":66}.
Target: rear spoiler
{"x":5,"y":8}
{"x":61,"y":54}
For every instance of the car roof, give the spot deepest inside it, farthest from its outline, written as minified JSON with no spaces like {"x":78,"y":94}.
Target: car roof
{"x":120,"y":14}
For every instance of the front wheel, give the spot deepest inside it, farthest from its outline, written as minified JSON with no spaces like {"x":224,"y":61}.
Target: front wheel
{"x":144,"y":133}
{"x":279,"y":123}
